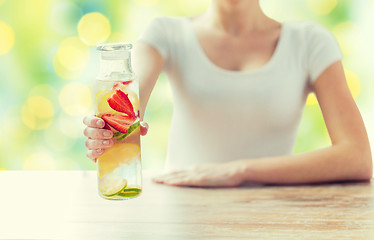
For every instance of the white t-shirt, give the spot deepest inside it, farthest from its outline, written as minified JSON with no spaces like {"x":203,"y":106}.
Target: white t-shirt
{"x":221,"y":115}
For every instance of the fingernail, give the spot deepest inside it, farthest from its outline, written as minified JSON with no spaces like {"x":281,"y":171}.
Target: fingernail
{"x":107,"y":134}
{"x":106,"y":142}
{"x":100,"y":123}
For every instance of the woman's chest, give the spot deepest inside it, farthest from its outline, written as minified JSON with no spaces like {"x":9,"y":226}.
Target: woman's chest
{"x":237,"y":53}
{"x":275,"y":97}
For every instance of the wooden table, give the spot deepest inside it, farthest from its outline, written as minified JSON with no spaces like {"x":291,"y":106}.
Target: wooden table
{"x":65,"y":205}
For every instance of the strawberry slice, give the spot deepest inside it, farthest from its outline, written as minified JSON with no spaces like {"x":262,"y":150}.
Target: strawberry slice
{"x":119,"y":122}
{"x":106,"y":126}
{"x":120,"y":102}
{"x":118,"y":83}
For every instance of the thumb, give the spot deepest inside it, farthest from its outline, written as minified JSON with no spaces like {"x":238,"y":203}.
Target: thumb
{"x":143,"y":128}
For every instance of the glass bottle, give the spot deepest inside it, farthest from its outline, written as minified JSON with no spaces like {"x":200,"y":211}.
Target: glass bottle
{"x":117,"y":103}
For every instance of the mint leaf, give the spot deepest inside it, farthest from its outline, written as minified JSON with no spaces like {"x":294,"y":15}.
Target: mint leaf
{"x":131,"y":129}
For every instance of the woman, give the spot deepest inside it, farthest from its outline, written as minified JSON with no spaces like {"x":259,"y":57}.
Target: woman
{"x":239,"y":82}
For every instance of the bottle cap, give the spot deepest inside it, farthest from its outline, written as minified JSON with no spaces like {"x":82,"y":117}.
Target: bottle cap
{"x":114,"y":51}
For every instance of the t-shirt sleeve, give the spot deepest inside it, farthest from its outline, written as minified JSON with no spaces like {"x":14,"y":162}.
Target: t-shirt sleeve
{"x":155,"y":35}
{"x":323,"y":50}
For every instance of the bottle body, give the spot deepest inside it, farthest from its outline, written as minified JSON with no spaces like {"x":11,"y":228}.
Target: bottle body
{"x":117,"y":103}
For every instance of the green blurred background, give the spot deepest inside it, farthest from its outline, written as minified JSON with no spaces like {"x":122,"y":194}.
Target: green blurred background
{"x":48,"y":63}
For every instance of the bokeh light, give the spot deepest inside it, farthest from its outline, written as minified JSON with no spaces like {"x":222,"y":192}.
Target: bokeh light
{"x":311,"y":100}
{"x":12,"y":127}
{"x":44,"y":90}
{"x":321,"y":7}
{"x":41,"y":107}
{"x":63,"y":72}
{"x":37,"y":113}
{"x":71,"y":58}
{"x":72,"y":54}
{"x":353,"y":82}
{"x":75,"y":99}
{"x":6,"y":38}
{"x":94,"y":28}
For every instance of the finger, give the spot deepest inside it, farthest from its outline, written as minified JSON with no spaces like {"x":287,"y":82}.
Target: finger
{"x":94,"y":122}
{"x":167,"y":176}
{"x":179,"y":182}
{"x":157,"y":180}
{"x":96,"y":133}
{"x":95,"y":153}
{"x":143,"y":128}
{"x":176,"y":181}
{"x":95,"y":144}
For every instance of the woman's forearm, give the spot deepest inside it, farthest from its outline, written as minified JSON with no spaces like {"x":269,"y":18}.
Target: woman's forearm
{"x":336,"y":163}
{"x":147,"y":63}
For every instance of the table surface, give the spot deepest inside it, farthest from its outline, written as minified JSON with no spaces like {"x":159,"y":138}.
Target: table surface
{"x":65,"y":205}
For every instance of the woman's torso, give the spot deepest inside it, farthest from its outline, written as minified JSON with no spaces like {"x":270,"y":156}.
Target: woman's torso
{"x":223,"y":115}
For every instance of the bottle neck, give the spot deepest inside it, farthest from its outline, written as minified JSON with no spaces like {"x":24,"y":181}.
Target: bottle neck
{"x":115,"y":68}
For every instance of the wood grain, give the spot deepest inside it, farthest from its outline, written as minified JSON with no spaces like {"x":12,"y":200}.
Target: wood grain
{"x":328,"y":211}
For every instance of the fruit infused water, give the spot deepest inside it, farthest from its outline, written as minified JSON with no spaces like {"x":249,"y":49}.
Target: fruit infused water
{"x":117,"y":103}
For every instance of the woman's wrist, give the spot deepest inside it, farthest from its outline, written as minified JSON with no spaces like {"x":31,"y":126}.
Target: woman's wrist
{"x":240,"y":170}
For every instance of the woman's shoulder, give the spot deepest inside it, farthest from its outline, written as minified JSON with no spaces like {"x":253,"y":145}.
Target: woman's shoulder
{"x":164,"y":27}
{"x":168,"y":21}
{"x":308,"y":29}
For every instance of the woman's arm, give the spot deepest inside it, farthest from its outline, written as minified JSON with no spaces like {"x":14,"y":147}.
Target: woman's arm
{"x":147,"y":64}
{"x":348,"y":158}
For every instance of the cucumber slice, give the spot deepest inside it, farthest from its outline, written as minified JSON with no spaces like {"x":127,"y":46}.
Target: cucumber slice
{"x":130,"y":130}
{"x":130,"y":192}
{"x":110,"y":185}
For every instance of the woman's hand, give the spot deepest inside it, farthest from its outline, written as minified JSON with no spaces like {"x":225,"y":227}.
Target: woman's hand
{"x":98,"y":139}
{"x":204,"y":175}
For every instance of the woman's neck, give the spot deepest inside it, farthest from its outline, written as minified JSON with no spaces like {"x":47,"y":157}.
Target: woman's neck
{"x":236,"y":17}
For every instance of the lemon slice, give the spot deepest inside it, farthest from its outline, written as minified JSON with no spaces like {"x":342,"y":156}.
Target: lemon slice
{"x":111,"y":184}
{"x":102,"y":106}
{"x":120,"y":153}
{"x":134,"y":99}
